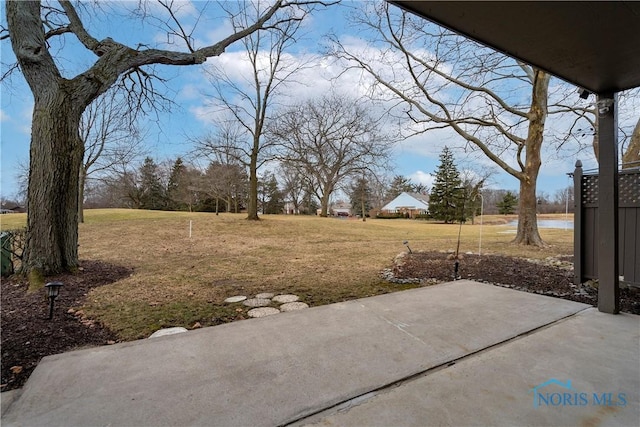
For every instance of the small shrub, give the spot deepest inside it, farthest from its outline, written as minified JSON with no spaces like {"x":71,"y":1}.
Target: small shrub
{"x":387,"y":215}
{"x":422,"y":216}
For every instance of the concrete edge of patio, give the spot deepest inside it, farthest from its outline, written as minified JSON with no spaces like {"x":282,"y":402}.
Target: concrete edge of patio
{"x":279,"y":369}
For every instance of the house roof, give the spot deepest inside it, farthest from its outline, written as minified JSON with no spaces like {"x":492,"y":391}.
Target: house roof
{"x":341,"y":205}
{"x":595,"y":45}
{"x":422,"y":197}
{"x":408,"y":201}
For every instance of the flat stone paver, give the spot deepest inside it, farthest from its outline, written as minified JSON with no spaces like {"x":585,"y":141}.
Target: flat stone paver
{"x":257,"y":302}
{"x":293,"y":306}
{"x":286,"y":298}
{"x":168,"y":331}
{"x":238,"y":298}
{"x":280,"y":369}
{"x":265,"y":295}
{"x":262,"y":311}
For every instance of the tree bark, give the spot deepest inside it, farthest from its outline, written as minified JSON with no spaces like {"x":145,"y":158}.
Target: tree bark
{"x":324,"y":204}
{"x":252,"y":203}
{"x":631,"y":157}
{"x":55,"y":158}
{"x":528,"y":233}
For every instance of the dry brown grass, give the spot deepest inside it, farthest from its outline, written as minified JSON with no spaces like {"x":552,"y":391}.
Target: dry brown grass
{"x":180,"y":280}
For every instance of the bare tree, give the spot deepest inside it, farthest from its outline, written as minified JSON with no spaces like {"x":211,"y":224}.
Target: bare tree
{"x":330,"y":140}
{"x":56,"y":149}
{"x":293,"y":183}
{"x":583,"y":125}
{"x":225,"y":180}
{"x":110,"y":137}
{"x":249,"y":98}
{"x":631,"y":157}
{"x":440,"y":80}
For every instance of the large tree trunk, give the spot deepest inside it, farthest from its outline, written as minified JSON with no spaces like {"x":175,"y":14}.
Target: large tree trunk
{"x":55,"y":158}
{"x":252,"y":203}
{"x":324,"y":205}
{"x":631,"y":157}
{"x":527,"y":223}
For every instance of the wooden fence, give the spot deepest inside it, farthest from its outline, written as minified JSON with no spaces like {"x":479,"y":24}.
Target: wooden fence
{"x":586,"y":233}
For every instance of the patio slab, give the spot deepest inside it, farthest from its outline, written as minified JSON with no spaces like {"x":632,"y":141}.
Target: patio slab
{"x":279,"y":369}
{"x":583,"y":371}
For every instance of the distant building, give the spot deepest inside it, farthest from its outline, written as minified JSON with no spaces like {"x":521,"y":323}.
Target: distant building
{"x":290,"y":208}
{"x":340,"y":208}
{"x":7,"y":209}
{"x":408,"y":203}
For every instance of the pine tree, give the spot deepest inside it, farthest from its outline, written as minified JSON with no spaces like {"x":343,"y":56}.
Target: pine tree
{"x":447,"y":196}
{"x":360,"y":197}
{"x":508,"y":204}
{"x":271,"y":197}
{"x":183,"y":187}
{"x":152,"y":194}
{"x":399,"y":185}
{"x":175,"y":185}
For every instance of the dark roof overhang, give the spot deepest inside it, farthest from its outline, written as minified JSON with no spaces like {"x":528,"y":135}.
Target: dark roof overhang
{"x":594,"y":45}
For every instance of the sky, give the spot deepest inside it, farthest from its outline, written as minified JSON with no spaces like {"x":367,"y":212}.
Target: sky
{"x":168,"y":134}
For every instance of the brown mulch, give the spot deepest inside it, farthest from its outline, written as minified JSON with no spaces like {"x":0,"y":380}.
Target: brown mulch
{"x":28,"y":335}
{"x":552,"y":277}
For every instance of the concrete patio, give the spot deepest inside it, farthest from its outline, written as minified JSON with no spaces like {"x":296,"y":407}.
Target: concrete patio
{"x":459,"y":353}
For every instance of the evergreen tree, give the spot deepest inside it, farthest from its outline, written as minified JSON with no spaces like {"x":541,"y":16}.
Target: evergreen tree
{"x":447,"y":196}
{"x":183,"y":187}
{"x":360,"y":197}
{"x":399,"y":185}
{"x":310,"y":203}
{"x":271,"y":198}
{"x":175,"y":186}
{"x":152,"y":194}
{"x":508,"y":204}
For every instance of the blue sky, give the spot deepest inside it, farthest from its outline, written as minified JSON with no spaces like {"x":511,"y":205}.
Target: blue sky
{"x":167,"y":133}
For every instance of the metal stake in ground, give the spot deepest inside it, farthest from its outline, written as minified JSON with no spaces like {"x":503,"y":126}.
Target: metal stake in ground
{"x":456,"y":264}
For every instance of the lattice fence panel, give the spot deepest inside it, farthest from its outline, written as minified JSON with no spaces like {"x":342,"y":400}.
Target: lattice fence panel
{"x":629,"y":189}
{"x":589,"y":189}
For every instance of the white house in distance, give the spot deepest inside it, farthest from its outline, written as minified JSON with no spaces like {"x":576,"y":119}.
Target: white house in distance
{"x":411,"y":203}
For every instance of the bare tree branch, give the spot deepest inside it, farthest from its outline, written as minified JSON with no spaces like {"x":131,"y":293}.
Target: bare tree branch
{"x":328,"y":140}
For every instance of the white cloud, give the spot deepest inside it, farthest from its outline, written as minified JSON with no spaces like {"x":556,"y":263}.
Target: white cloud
{"x":316,"y":76}
{"x":3,"y":116}
{"x":420,"y":177}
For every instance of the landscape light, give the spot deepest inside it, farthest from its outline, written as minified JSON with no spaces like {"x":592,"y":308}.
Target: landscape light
{"x":406,"y":243}
{"x":53,"y":290}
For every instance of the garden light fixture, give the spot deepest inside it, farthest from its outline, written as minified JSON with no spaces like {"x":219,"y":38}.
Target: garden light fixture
{"x":406,"y":243}
{"x":53,"y":289}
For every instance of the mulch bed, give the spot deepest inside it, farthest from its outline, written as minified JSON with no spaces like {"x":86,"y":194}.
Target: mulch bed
{"x":28,"y":335}
{"x":553,"y":277}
